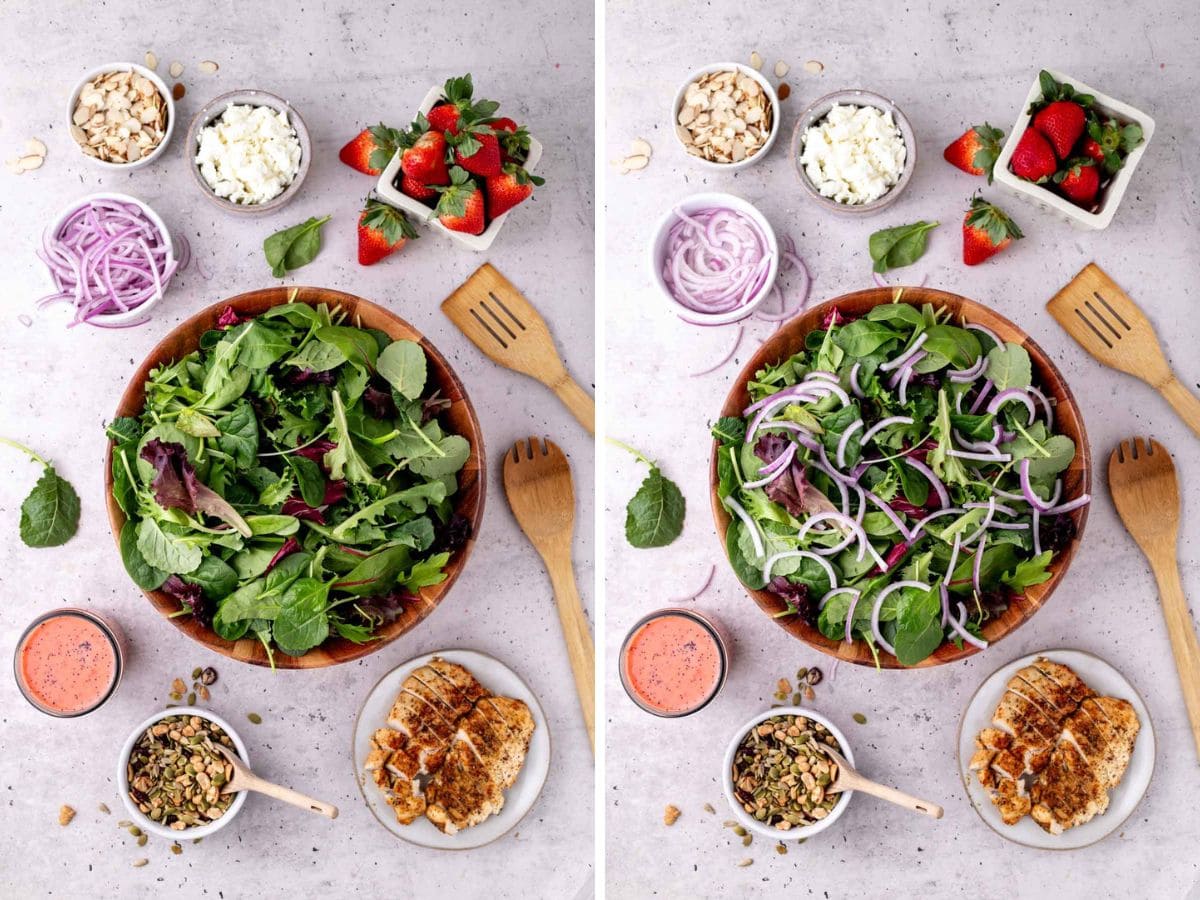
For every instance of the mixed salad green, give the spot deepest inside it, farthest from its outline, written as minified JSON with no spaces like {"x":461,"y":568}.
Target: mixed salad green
{"x":290,"y":479}
{"x":897,"y":481}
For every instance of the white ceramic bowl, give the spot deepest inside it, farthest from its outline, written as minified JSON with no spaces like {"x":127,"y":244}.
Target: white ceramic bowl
{"x":1047,"y":198}
{"x":216,"y":108}
{"x":386,"y":191}
{"x":143,"y":312}
{"x":816,"y":111}
{"x":748,"y":821}
{"x":143,"y":821}
{"x":772,"y":97}
{"x":658,"y":250}
{"x":162,"y":89}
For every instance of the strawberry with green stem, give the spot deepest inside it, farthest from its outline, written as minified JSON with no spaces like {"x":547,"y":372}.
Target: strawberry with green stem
{"x":976,"y":151}
{"x":457,"y":107}
{"x":382,"y":230}
{"x":512,"y":186}
{"x":1079,"y":181}
{"x":987,"y":230}
{"x":372,"y":149}
{"x":477,"y":149}
{"x":1033,"y":159}
{"x":460,"y":208}
{"x":424,"y":156}
{"x":1109,"y":142}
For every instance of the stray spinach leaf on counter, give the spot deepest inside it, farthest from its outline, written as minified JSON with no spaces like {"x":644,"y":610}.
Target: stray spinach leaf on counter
{"x":654,"y":516}
{"x":294,"y":247}
{"x":894,"y":248}
{"x":290,"y":479}
{"x":50,"y":514}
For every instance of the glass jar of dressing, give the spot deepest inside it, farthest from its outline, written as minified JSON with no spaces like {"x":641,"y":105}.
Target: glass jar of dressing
{"x":69,"y":662}
{"x":674,"y":662}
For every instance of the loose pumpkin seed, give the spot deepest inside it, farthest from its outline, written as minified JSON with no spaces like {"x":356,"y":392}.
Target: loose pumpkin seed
{"x":191,"y":699}
{"x":141,"y":841}
{"x":708,"y":808}
{"x":859,"y":718}
{"x":745,"y":862}
{"x":747,"y":839}
{"x":255,"y":718}
{"x":138,"y":863}
{"x":196,"y":672}
{"x":103,"y":807}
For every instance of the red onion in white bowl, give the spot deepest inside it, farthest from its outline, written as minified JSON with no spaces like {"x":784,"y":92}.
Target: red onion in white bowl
{"x":111,"y":257}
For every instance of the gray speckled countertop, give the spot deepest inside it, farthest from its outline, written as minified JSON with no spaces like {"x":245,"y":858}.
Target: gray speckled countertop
{"x":343,"y":66}
{"x":947,"y":66}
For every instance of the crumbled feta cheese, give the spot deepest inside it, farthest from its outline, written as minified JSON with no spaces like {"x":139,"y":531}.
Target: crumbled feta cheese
{"x":854,"y":155}
{"x":249,"y":154}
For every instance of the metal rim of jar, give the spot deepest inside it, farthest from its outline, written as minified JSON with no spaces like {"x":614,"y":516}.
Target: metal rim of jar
{"x":105,"y":629}
{"x":713,"y":632}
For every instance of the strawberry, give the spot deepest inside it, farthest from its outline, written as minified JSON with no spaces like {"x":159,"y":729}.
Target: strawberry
{"x":986,"y":231}
{"x":372,"y":150}
{"x":414,"y":188}
{"x":425,"y":160}
{"x":1108,"y":143}
{"x":1092,"y":150}
{"x":460,"y":208}
{"x":1079,"y":181}
{"x":503,"y":124}
{"x":1033,"y":159}
{"x":1062,"y":123}
{"x":976,"y":151}
{"x":456,"y":108}
{"x":478,"y":151}
{"x":382,"y":230}
{"x":510,"y":187}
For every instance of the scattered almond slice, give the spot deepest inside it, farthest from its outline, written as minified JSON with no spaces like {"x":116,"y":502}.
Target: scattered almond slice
{"x":634,"y":164}
{"x":781,"y":69}
{"x":208,"y":67}
{"x":814,"y":67}
{"x":176,"y":69}
{"x":641,"y":147}
{"x":756,"y":61}
{"x":13,"y":166}
{"x":29,"y":163}
{"x":34,"y":147}
{"x":151,"y":60}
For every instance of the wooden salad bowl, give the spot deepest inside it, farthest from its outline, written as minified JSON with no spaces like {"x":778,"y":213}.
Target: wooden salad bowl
{"x":460,"y":418}
{"x":1077,"y":479}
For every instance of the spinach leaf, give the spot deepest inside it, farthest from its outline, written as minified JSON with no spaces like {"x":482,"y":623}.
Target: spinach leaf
{"x":1009,"y":367}
{"x":903,"y":245}
{"x":956,"y":345}
{"x":654,"y":515}
{"x":901,"y":314}
{"x":358,"y":346}
{"x":50,"y":514}
{"x":376,"y":574}
{"x":918,"y":625}
{"x":196,"y":424}
{"x":729,"y":430}
{"x":143,"y":574}
{"x":215,"y":577}
{"x":168,"y":552}
{"x":124,"y":479}
{"x":294,"y":247}
{"x":238,"y":435}
{"x":745,"y":568}
{"x":263,"y":345}
{"x":402,"y":363}
{"x":302,"y":622}
{"x":1060,"y":450}
{"x":310,"y":479}
{"x":317,"y":356}
{"x":862,"y":337}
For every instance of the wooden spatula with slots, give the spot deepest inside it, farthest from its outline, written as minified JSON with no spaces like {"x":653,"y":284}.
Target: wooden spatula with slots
{"x":1142,"y":479}
{"x":1109,"y":326}
{"x":537,"y":480}
{"x":490,"y":311}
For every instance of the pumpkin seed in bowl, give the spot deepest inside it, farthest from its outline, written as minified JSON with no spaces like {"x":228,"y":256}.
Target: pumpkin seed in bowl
{"x":176,"y":773}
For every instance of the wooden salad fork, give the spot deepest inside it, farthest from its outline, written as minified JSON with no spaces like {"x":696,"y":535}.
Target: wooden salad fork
{"x":489,"y":310}
{"x":1109,"y":326}
{"x":245,"y":780}
{"x":537,"y":480}
{"x":848,"y":779}
{"x":1142,"y":479}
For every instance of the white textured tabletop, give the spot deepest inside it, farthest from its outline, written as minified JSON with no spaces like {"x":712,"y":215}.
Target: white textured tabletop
{"x":947,"y":66}
{"x":344,"y":66}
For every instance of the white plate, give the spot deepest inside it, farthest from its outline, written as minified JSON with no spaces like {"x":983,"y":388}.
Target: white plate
{"x":1103,"y":679}
{"x":499,"y":679}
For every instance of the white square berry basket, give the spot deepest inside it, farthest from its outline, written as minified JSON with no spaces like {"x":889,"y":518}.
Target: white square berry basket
{"x":1044,"y":196}
{"x":387,"y":191}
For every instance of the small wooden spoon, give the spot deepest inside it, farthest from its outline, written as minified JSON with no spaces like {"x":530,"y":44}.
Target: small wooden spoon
{"x":849,"y":780}
{"x":245,"y":780}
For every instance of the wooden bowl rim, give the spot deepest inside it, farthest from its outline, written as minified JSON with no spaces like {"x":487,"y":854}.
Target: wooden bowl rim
{"x":792,"y":334}
{"x":249,"y":650}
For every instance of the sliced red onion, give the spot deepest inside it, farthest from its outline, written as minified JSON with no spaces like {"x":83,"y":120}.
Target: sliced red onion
{"x":906,"y":374}
{"x":716,"y":260}
{"x":985,"y":457}
{"x":978,"y":563}
{"x":980,"y":446}
{"x":960,"y":629}
{"x":1012,"y":394}
{"x":854,"y":385}
{"x":921,"y":523}
{"x":982,"y":329}
{"x":954,"y":551}
{"x":855,"y":595}
{"x":1045,"y":401}
{"x":1071,"y":506}
{"x":983,"y":392}
{"x":844,"y":441}
{"x":1037,"y":532}
{"x":905,"y":371}
{"x":803,"y":437}
{"x":990,"y":506}
{"x":964,"y":376}
{"x":822,"y":386}
{"x":862,"y":503}
{"x":737,"y":339}
{"x":906,"y":355}
{"x":883,"y":595}
{"x":793,"y":554}
{"x":892,"y":516}
{"x":829,"y":595}
{"x":1009,"y":526}
{"x":773,"y":469}
{"x":793,"y":391}
{"x":840,"y":481}
{"x":853,"y":531}
{"x":994,"y":506}
{"x":945,"y":598}
{"x":750,"y":526}
{"x":1031,"y":496}
{"x":712,"y":570}
{"x":884,"y":423}
{"x":934,"y":481}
